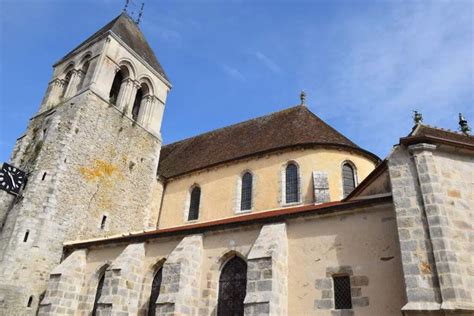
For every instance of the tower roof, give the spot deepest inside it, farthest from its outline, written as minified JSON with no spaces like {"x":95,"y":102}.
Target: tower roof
{"x":295,"y":126}
{"x":129,"y":32}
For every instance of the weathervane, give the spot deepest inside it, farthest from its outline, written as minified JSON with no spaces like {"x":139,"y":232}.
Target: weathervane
{"x":132,"y":14}
{"x":463,"y":126}
{"x":140,"y":14}
{"x":417,"y":117}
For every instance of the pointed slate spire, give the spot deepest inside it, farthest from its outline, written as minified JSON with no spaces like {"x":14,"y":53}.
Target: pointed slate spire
{"x":128,"y":31}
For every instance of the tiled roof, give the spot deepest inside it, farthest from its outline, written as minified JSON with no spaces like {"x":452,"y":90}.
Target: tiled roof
{"x":429,"y":131}
{"x":296,"y":126}
{"x":129,"y":32}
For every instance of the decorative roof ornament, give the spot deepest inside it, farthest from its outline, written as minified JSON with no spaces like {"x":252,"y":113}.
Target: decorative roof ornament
{"x":303,"y":97}
{"x":463,"y":126}
{"x":417,"y":117}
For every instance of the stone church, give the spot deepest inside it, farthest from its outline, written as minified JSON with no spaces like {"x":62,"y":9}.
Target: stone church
{"x":278,"y":215}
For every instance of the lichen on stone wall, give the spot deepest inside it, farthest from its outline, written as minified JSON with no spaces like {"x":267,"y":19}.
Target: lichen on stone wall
{"x":100,"y":170}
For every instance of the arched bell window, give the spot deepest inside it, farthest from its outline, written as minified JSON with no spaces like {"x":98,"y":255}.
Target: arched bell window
{"x":348,"y":178}
{"x":67,"y":80}
{"x":194,"y":202}
{"x":246,"y":194}
{"x":142,"y":92}
{"x":98,"y":293}
{"x":116,"y":85}
{"x":232,"y":287}
{"x":155,"y":292}
{"x":84,"y":69}
{"x":292,"y":183}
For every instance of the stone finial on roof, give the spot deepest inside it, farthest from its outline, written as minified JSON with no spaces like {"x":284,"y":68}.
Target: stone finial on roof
{"x":303,"y":97}
{"x":417,"y":117}
{"x":463,"y":126}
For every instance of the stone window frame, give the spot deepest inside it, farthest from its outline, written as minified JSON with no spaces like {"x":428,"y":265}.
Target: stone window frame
{"x":84,"y":67}
{"x":282,"y":201}
{"x":356,"y":178}
{"x":145,"y":83}
{"x":145,"y":291}
{"x":107,"y":222}
{"x":187,"y":204}
{"x":238,"y":192}
{"x":210,"y":294}
{"x":129,"y":73}
{"x":68,"y":71}
{"x":326,"y":287}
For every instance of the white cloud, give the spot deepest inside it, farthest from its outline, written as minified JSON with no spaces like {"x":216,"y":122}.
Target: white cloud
{"x":233,"y":72}
{"x":270,"y":64}
{"x":420,"y":56}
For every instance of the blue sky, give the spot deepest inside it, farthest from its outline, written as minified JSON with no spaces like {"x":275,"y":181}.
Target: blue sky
{"x":365,"y":65}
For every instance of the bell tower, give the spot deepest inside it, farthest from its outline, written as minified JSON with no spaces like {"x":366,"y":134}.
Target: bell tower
{"x":90,"y":155}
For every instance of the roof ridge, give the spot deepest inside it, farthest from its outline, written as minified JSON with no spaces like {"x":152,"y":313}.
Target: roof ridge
{"x":443,"y":130}
{"x":332,"y":128}
{"x":234,"y":125}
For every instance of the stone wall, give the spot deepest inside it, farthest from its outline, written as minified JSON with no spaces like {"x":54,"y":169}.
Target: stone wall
{"x":65,"y":286}
{"x":86,"y":161}
{"x":289,"y":268}
{"x":433,"y":198}
{"x":267,"y":273}
{"x":179,"y":293}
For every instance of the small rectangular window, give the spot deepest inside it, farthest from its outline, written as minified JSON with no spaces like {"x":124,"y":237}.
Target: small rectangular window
{"x":342,"y":292}
{"x":102,"y":224}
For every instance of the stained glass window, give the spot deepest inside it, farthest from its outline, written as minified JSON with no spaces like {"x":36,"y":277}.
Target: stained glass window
{"x":348,"y":179}
{"x":232,"y":288}
{"x":292,"y":185}
{"x":246,"y":197}
{"x":194,"y":204}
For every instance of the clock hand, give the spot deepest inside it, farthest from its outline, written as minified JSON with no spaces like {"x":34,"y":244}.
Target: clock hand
{"x":13,"y":181}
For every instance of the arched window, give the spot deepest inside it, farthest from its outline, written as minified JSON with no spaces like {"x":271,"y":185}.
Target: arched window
{"x":137,"y":104}
{"x":232,"y":287}
{"x":115,"y":89}
{"x":155,"y":292}
{"x":291,"y":183}
{"x":348,"y":178}
{"x":194,"y":203}
{"x":84,"y":69}
{"x":67,"y":80}
{"x":142,"y":92}
{"x":98,"y":293}
{"x":246,"y":194}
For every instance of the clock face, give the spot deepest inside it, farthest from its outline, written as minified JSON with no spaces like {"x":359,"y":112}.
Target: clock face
{"x":12,"y":179}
